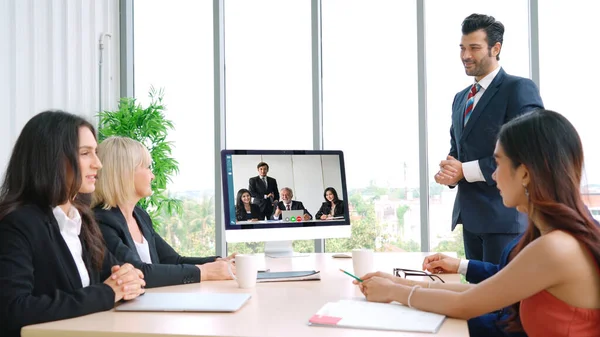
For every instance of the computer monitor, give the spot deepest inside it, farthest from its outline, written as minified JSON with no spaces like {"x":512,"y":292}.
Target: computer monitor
{"x":307,"y":173}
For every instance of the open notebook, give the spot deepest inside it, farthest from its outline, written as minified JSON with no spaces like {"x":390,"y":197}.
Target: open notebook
{"x":360,"y":314}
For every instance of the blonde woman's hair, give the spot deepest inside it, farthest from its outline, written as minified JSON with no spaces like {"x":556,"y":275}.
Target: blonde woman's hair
{"x":120,"y":156}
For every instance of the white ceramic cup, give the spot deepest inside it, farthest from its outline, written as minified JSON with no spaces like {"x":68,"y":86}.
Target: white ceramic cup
{"x":362,"y":261}
{"x":246,"y":269}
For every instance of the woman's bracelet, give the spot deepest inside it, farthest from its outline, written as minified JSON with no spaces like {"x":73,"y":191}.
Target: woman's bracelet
{"x":411,"y":293}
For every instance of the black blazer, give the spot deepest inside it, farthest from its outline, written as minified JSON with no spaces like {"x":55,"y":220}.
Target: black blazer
{"x":326,"y":209}
{"x":39,"y":281}
{"x":258,"y":191}
{"x":296,"y":206}
{"x":167,"y":267}
{"x":241,"y":215}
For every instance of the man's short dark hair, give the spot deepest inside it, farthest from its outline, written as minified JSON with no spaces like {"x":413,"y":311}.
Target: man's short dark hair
{"x":261,"y":164}
{"x":493,"y":29}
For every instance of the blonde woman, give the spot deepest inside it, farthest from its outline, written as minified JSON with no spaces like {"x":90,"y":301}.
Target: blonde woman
{"x":127,"y":228}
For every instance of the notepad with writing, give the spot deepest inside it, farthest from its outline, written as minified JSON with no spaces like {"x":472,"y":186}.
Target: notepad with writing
{"x":286,"y":276}
{"x":376,"y":316}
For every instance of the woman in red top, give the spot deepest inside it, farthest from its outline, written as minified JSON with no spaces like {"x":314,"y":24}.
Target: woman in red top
{"x":553,"y":278}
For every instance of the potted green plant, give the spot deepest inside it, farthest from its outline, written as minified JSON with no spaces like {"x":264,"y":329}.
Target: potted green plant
{"x":149,"y":126}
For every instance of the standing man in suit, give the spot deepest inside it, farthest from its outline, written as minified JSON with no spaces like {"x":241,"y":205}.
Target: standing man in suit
{"x":478,"y":112}
{"x":264,"y":191}
{"x":287,"y":204}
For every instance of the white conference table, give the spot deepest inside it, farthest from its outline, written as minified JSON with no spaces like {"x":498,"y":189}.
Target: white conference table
{"x":278,"y":309}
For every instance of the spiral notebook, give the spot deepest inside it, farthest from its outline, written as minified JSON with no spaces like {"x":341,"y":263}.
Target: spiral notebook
{"x":360,"y":314}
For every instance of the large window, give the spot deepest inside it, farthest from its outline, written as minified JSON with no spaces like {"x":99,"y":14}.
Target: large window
{"x":268,"y":81}
{"x":569,"y":89}
{"x":370,"y":112}
{"x":370,"y":107}
{"x":174,"y":51}
{"x":268,"y":74}
{"x":446,"y":77}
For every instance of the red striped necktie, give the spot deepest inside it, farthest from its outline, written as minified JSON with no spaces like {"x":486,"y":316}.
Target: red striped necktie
{"x":471,"y":102}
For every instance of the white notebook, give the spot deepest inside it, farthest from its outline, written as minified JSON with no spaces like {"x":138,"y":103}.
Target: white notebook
{"x":194,"y":302}
{"x":376,"y":316}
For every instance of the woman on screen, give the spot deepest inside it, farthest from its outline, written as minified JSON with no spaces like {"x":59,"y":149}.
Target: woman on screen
{"x":53,"y":264}
{"x":244,"y":209}
{"x":127,"y":228}
{"x":552,"y":279}
{"x":332,"y":207}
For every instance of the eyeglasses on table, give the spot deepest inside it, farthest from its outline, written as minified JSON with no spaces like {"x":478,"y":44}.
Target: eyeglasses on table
{"x":404,"y":273}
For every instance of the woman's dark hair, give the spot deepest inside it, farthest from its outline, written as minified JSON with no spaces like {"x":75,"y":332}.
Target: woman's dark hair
{"x":548,"y":145}
{"x":240,"y":210}
{"x":334,"y":192}
{"x":493,"y":29}
{"x":43,"y":170}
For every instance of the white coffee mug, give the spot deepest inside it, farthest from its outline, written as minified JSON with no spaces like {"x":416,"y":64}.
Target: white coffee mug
{"x":362,"y":261}
{"x":246,"y":269}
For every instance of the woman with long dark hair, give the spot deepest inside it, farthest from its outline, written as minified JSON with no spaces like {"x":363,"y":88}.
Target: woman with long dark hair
{"x":332,"y":207}
{"x":245,"y":210}
{"x":53,"y":264}
{"x":553,"y":277}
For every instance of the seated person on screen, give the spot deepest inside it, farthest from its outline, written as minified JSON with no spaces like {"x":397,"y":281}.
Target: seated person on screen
{"x":244,"y":210}
{"x":287,"y":204}
{"x":264,"y":191}
{"x":332,"y":207}
{"x":53,"y":263}
{"x":127,"y":228}
{"x":553,"y":291}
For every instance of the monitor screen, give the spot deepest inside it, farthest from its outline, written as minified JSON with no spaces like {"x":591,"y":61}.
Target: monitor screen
{"x":273,"y":195}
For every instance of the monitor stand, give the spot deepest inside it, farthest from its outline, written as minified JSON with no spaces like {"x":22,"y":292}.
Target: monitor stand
{"x":280,"y":249}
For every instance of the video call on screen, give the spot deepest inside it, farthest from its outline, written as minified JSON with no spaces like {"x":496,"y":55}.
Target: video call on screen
{"x":307,"y":175}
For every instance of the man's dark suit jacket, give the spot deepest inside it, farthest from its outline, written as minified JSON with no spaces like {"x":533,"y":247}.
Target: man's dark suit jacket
{"x":258,"y":190}
{"x":478,"y":206}
{"x":167,"y":267}
{"x":326,"y":209}
{"x":477,"y":271}
{"x":39,"y":281}
{"x":296,"y":206}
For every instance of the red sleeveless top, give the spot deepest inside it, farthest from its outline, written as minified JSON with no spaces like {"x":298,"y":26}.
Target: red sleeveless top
{"x":543,"y":315}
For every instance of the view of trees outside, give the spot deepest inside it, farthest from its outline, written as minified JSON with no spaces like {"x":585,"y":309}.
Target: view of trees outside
{"x":369,"y":101}
{"x":193,"y":233}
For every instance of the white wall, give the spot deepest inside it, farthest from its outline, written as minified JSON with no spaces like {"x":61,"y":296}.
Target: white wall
{"x":49,"y":60}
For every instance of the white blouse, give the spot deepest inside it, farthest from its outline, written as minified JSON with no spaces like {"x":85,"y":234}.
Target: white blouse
{"x":70,"y":227}
{"x":143,"y":250}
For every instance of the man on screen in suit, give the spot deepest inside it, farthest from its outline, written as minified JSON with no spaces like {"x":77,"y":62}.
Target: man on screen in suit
{"x":264,"y":191}
{"x":478,"y":112}
{"x":287,"y":204}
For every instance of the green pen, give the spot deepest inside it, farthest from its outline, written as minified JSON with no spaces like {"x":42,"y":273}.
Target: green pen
{"x":354,"y":277}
